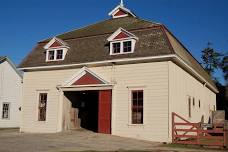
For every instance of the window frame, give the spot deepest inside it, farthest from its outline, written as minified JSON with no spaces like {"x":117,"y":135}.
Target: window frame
{"x":49,"y":52}
{"x":38,"y":106}
{"x":135,"y":88}
{"x":114,"y":49}
{"x":64,"y":51}
{"x":127,"y":46}
{"x":133,"y":42}
{"x":58,"y":54}
{"x":138,"y":106}
{"x":8,"y":111}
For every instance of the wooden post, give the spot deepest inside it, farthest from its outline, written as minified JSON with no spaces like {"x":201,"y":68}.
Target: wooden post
{"x":224,"y":138}
{"x":173,"y":128}
{"x":198,"y":134}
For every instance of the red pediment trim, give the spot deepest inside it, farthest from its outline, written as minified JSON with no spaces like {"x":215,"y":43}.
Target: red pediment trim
{"x":121,"y":35}
{"x":56,"y":44}
{"x":120,"y":13}
{"x":87,"y":79}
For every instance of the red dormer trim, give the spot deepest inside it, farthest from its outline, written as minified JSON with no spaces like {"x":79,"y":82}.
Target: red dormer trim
{"x":121,"y":35}
{"x":56,"y":44}
{"x":120,"y":13}
{"x":87,"y":79}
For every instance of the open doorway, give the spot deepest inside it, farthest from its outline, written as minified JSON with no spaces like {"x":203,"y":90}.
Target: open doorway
{"x":90,"y":110}
{"x":84,"y":109}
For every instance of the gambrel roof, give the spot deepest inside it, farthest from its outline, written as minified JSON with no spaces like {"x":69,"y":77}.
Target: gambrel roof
{"x":90,"y":45}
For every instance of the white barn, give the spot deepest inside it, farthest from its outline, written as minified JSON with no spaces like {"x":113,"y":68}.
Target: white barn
{"x":122,"y":76}
{"x":10,"y":94}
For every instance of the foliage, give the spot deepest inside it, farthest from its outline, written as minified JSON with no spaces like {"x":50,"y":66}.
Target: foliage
{"x":211,"y":59}
{"x":224,"y":67}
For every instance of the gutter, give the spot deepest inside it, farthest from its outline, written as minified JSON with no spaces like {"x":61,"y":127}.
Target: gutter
{"x":96,"y":63}
{"x":172,"y":56}
{"x":205,"y":82}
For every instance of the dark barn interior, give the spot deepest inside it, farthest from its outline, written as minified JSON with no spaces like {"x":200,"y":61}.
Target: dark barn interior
{"x":84,"y":112}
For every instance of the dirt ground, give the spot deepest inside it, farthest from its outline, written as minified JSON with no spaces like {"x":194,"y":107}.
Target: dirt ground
{"x":79,"y":140}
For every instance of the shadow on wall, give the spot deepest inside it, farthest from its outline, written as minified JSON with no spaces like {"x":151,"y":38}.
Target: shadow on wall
{"x":222,"y":99}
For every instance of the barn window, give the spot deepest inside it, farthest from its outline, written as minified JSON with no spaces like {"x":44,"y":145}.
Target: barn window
{"x":56,"y":54}
{"x":122,"y":42}
{"x":59,"y":54}
{"x":193,"y":101}
{"x":56,"y":50}
{"x":137,"y":106}
{"x":199,"y":103}
{"x":51,"y":55}
{"x":42,"y":106}
{"x":5,"y":111}
{"x":122,"y":47}
{"x":189,"y":107}
{"x":116,"y":47}
{"x":127,"y":46}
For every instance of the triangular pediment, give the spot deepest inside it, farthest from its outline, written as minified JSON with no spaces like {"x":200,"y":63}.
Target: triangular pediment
{"x":121,"y":34}
{"x":55,"y":43}
{"x":85,"y":77}
{"x":121,"y":11}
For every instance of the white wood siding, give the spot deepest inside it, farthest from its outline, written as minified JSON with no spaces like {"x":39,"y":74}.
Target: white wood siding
{"x":10,"y":92}
{"x":152,"y":77}
{"x":182,"y":85}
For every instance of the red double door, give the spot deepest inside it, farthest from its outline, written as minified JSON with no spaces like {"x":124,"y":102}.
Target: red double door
{"x":104,"y":111}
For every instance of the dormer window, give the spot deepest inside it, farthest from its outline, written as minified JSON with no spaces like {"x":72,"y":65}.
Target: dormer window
{"x":127,"y":46}
{"x":59,"y":54}
{"x":51,"y":55}
{"x":116,"y":47}
{"x":56,"y":50}
{"x":55,"y":54}
{"x":122,"y":42}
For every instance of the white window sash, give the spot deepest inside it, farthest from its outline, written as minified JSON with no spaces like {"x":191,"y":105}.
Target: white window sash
{"x":55,"y":54}
{"x":8,"y":110}
{"x":122,"y":46}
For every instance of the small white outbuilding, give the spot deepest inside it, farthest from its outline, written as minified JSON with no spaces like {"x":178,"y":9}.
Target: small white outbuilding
{"x":10,"y":94}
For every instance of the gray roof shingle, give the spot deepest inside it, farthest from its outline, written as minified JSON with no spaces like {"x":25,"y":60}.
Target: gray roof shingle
{"x":89,"y":44}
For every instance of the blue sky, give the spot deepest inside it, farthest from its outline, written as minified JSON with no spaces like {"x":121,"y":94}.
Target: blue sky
{"x":194,"y":22}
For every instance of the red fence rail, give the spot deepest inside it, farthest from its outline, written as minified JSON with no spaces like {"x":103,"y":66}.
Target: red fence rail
{"x":185,"y":132}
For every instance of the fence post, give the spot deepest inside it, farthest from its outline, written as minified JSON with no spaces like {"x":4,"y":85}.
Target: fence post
{"x":198,"y":134}
{"x":224,"y":138}
{"x":173,"y":128}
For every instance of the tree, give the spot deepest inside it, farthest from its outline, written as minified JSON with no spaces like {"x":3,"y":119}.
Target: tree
{"x":211,"y":59}
{"x":224,"y":67}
